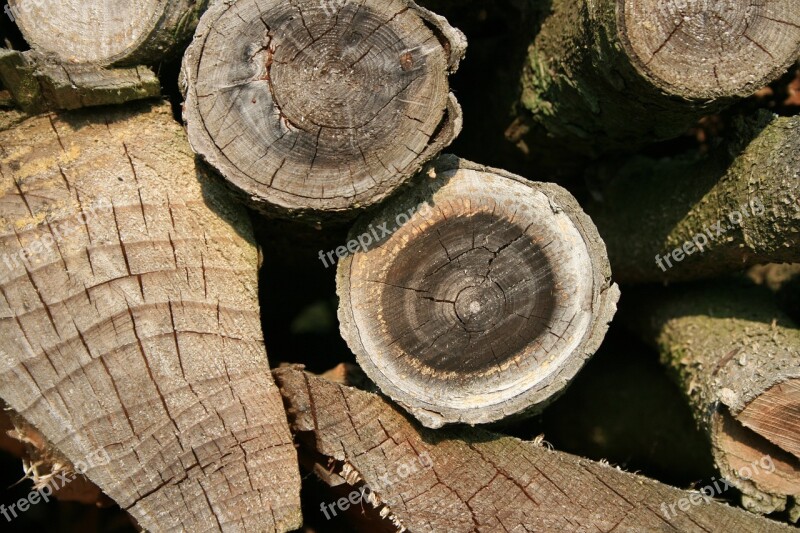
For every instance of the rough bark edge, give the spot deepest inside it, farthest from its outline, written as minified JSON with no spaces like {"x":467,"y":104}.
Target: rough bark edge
{"x":452,"y":123}
{"x":604,"y":299}
{"x":525,"y":465}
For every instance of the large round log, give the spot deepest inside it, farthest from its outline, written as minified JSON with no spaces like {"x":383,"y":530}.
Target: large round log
{"x":482,"y":297}
{"x":106,"y":32}
{"x":615,"y":74}
{"x":130,"y":326}
{"x":312,"y":108}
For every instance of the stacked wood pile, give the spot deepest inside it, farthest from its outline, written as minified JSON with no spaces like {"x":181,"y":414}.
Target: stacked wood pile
{"x":190,"y":185}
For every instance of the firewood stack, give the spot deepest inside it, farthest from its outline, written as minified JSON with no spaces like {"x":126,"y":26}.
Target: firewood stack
{"x":159,"y":158}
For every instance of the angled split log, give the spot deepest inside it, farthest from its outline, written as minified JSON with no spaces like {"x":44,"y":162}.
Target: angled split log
{"x":130,"y":323}
{"x":314,"y":108}
{"x":476,"y":296}
{"x":473,"y":480}
{"x":737,"y":357}
{"x":611,"y":74}
{"x":38,"y":84}
{"x":690,"y":219}
{"x":102,"y":33}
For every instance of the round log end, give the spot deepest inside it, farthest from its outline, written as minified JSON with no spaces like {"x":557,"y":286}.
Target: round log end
{"x":105,"y":32}
{"x":315,"y":108}
{"x":477,"y":296}
{"x":702,"y":50}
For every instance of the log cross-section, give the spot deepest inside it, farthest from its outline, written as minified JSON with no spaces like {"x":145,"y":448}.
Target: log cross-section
{"x":130,"y":323}
{"x":311,"y":108}
{"x":616,"y":74}
{"x":484,"y":304}
{"x":101,"y":33}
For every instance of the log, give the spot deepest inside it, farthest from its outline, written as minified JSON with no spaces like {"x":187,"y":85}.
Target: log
{"x":316,"y":109}
{"x":616,"y":74}
{"x":103,"y":33}
{"x":687,"y":219}
{"x":474,"y":480}
{"x":130,"y":322}
{"x":478,"y":296}
{"x":37,"y":84}
{"x":737,"y":358}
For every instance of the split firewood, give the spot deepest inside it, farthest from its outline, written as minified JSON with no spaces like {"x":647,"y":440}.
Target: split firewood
{"x":475,"y":296}
{"x":686,"y":219}
{"x":474,"y":480}
{"x":103,"y":33}
{"x":37,"y":84}
{"x":312,"y":109}
{"x":737,"y":357}
{"x":130,"y":322}
{"x":615,"y":74}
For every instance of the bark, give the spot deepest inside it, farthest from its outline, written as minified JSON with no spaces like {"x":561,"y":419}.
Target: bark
{"x":312,"y":109}
{"x":736,"y":208}
{"x":106,"y":32}
{"x":615,"y":74}
{"x":488,"y":295}
{"x":473,"y":480}
{"x":130,"y":322}
{"x":37,"y":84}
{"x":736,"y":357}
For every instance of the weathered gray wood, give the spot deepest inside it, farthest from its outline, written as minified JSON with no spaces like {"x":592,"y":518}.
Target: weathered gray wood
{"x":689,"y":218}
{"x":313,"y":108}
{"x":737,"y":358}
{"x":615,"y":74}
{"x":130,"y":323}
{"x":107,"y":32}
{"x":38,"y":84}
{"x":464,"y":480}
{"x":486,"y":299}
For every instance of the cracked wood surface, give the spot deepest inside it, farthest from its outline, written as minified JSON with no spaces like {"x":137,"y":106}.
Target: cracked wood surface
{"x":484,"y":304}
{"x":474,"y":480}
{"x":131,"y":322}
{"x":737,"y":358}
{"x":107,"y":32}
{"x":617,"y":74}
{"x":313,"y":108}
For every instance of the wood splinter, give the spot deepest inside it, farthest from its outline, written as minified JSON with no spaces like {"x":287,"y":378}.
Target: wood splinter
{"x":485,"y":304}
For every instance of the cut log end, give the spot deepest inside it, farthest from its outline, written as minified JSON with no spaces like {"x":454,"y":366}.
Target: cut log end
{"x":105,"y":32}
{"x":776,"y":416}
{"x":706,"y":50}
{"x":484,"y":302}
{"x":313,"y":107}
{"x":767,"y":475}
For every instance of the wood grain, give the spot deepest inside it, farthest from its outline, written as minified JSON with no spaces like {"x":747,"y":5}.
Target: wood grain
{"x":485,"y":303}
{"x":130,"y":323}
{"x":310,"y":110}
{"x":462,"y":480}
